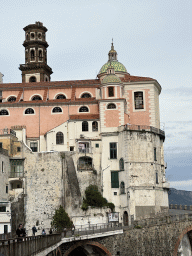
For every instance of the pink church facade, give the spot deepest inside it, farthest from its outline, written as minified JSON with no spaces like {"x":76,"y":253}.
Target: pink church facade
{"x":114,"y":118}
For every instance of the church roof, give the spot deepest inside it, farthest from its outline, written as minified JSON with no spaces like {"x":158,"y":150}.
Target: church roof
{"x":112,"y":78}
{"x":118,"y":67}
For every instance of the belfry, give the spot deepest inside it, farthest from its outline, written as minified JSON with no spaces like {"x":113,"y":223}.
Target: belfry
{"x":35,"y":68}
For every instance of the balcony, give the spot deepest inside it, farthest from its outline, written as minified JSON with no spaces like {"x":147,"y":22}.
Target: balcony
{"x":16,"y":175}
{"x":84,"y":150}
{"x":7,"y":131}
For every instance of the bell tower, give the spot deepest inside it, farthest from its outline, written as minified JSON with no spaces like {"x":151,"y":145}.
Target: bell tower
{"x":35,"y":68}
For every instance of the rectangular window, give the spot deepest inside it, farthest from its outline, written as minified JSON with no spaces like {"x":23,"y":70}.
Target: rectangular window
{"x":2,"y":167}
{"x":157,"y":181}
{"x":1,"y":145}
{"x":2,"y":208}
{"x":138,"y":99}
{"x":18,"y":149}
{"x":97,"y":145}
{"x":113,"y":150}
{"x":115,"y":193}
{"x":111,"y":91}
{"x":34,"y":146}
{"x":17,"y":167}
{"x":5,"y":229}
{"x":114,"y":179}
{"x":7,"y":189}
{"x":71,"y":148}
{"x":0,"y":96}
{"x":155,"y":154}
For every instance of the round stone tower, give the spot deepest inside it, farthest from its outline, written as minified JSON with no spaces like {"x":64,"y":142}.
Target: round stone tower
{"x":35,"y":68}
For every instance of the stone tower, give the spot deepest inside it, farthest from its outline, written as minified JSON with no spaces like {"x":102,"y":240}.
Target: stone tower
{"x":35,"y":68}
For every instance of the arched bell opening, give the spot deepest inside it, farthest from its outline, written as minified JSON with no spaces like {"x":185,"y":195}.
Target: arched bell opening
{"x":125,"y":218}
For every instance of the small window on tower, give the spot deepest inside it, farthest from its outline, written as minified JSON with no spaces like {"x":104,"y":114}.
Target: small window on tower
{"x":138,"y":97}
{"x":111,"y":91}
{"x":40,"y":55}
{"x":32,"y":36}
{"x":32,"y":55}
{"x":39,"y":36}
{"x":32,"y":79}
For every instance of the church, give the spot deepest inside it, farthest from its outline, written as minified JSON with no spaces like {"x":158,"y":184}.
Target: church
{"x":110,"y":127}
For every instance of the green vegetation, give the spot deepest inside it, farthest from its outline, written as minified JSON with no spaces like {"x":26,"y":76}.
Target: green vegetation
{"x":61,"y":219}
{"x":94,"y":198}
{"x":138,"y":227}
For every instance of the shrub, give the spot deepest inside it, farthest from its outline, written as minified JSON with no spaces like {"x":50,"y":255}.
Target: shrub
{"x":94,"y":198}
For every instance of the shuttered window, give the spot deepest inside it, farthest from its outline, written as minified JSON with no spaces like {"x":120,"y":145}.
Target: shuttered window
{"x":115,"y":179}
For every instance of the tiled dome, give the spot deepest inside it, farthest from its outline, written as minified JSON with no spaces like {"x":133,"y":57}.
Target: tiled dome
{"x":111,"y":79}
{"x":118,"y":67}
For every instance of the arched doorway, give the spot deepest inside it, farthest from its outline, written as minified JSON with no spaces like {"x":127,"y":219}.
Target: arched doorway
{"x":125,"y":218}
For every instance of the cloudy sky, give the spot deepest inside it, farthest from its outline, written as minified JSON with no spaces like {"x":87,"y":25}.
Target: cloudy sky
{"x":152,"y":37}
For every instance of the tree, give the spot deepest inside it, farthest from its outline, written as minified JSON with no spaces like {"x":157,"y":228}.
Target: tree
{"x":61,"y":219}
{"x":94,"y":198}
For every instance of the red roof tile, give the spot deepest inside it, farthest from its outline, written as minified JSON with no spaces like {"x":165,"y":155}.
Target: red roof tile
{"x":128,"y":78}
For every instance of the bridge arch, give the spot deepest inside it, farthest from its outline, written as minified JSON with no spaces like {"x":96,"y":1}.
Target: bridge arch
{"x":186,"y":231}
{"x":83,"y":245}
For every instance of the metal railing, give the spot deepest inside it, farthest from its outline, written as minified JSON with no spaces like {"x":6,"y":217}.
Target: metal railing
{"x":91,"y":229}
{"x":28,"y":246}
{"x":7,"y":131}
{"x":15,"y":174}
{"x":85,"y":150}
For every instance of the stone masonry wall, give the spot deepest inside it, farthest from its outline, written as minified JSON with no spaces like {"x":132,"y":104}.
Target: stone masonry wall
{"x":161,"y":239}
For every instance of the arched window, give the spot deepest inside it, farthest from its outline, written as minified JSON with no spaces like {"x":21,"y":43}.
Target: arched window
{"x":86,"y":95}
{"x":83,"y":109}
{"x":29,"y":111}
{"x":40,"y":55}
{"x":32,"y":79}
{"x":121,"y":164}
{"x":4,"y":112}
{"x":36,"y":97}
{"x":39,"y":35}
{"x":85,"y":126}
{"x":111,"y":106}
{"x":57,"y":110}
{"x":85,"y":162}
{"x":60,"y":97}
{"x":94,"y":126}
{"x":122,"y":188}
{"x":59,"y":138}
{"x":32,"y":35}
{"x":27,"y":37}
{"x":12,"y":99}
{"x":32,"y":55}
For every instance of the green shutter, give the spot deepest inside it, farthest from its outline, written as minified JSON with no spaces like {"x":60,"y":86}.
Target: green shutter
{"x":115,"y":179}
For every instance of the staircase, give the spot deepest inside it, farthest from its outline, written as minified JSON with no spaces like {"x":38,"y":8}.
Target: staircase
{"x":72,"y":178}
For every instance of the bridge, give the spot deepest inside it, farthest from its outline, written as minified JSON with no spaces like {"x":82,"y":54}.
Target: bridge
{"x":158,"y":236}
